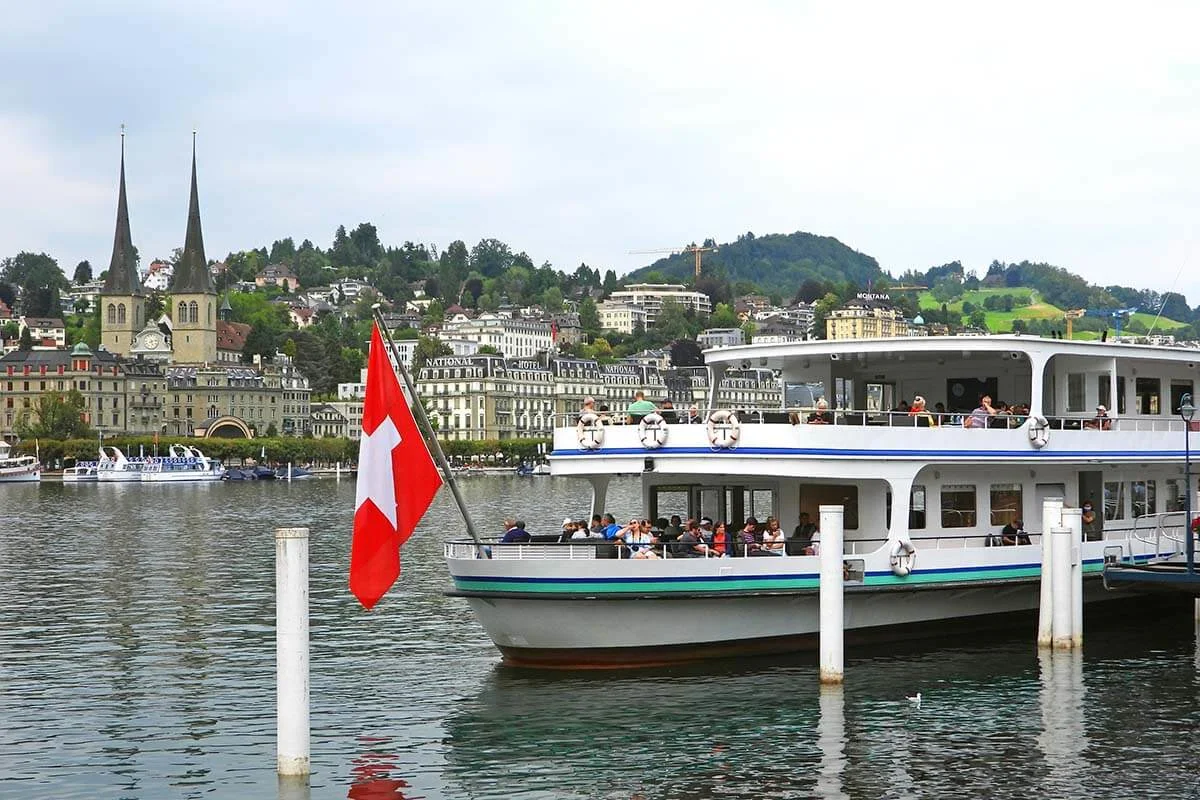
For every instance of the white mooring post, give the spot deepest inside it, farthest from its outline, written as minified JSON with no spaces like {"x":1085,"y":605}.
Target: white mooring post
{"x":832,"y":639}
{"x":289,"y":472}
{"x":1051,"y":518}
{"x":1060,"y":587}
{"x":291,"y":651}
{"x":1073,"y":518}
{"x":337,"y":470}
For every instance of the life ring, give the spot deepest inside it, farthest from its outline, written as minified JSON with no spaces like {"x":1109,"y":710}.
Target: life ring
{"x":1039,"y":431}
{"x":723,"y":429}
{"x":652,"y":430}
{"x":590,"y":431}
{"x":903,"y":556}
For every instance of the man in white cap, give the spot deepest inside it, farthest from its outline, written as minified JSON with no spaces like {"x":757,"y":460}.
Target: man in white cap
{"x":1101,"y":422}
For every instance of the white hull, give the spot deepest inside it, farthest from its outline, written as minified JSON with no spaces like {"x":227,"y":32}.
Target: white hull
{"x":20,"y":474}
{"x":80,"y":475}
{"x":182,"y":476}
{"x":119,"y":476}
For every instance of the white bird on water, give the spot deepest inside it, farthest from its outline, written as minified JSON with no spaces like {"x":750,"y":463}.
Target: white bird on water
{"x":915,"y":700}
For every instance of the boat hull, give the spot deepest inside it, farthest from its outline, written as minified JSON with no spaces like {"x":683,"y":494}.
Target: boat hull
{"x":625,"y":632}
{"x":20,"y":476}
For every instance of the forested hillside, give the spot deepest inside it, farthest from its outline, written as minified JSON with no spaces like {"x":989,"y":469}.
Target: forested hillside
{"x":775,"y":264}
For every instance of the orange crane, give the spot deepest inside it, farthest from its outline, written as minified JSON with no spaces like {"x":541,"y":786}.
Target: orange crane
{"x":691,"y":248}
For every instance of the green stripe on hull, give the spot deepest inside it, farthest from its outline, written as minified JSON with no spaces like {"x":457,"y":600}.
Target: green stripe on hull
{"x":543,"y":587}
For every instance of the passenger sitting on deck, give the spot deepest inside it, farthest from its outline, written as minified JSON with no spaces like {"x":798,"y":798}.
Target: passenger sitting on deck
{"x":772,"y":538}
{"x":1101,"y":422}
{"x":920,"y":414}
{"x":640,"y":407}
{"x":720,"y":539}
{"x":688,"y":545}
{"x":638,"y":537}
{"x":516,"y":533}
{"x":802,"y":537}
{"x":1014,"y":533}
{"x":980,"y":417}
{"x":747,"y":539}
{"x":822,"y":416}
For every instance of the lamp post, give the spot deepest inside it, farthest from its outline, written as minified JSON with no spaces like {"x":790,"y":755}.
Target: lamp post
{"x":1187,"y":411}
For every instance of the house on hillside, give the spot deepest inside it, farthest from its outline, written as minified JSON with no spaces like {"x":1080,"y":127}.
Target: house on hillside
{"x":280,"y":275}
{"x":48,"y":333}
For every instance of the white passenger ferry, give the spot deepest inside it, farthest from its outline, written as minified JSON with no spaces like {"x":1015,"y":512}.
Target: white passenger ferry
{"x":18,"y":469}
{"x":183,"y":463}
{"x":923,"y":505}
{"x":115,"y":467}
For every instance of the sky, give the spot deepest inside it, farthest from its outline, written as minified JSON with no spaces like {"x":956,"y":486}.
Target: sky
{"x":577,"y":132}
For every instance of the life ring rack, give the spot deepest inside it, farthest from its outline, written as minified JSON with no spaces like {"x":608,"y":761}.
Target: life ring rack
{"x":902,"y":556}
{"x":652,"y":431}
{"x":724,"y":429}
{"x":590,"y":431}
{"x":1039,"y":431}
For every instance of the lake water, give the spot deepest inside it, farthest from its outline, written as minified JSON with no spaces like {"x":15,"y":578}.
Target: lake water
{"x":137,"y":661}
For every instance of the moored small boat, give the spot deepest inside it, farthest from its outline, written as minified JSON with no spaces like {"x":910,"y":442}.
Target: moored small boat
{"x":82,"y":472}
{"x":115,"y":467}
{"x":18,"y":469}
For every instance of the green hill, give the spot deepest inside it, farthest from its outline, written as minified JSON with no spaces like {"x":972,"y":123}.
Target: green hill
{"x":776,"y":264}
{"x":1027,"y":306}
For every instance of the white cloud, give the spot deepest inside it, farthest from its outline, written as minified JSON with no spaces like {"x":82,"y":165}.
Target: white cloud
{"x":919,"y":135}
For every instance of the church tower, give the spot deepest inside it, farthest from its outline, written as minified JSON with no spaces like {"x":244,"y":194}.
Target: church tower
{"x":193,"y":294}
{"x":122,"y":300}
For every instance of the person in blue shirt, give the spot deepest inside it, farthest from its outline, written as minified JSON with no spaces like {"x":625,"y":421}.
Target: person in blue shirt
{"x":610,"y":526}
{"x":516,"y":533}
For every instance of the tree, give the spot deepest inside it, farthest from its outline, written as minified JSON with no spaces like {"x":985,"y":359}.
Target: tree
{"x":589,"y":316}
{"x":26,"y":339}
{"x":39,"y":279}
{"x":428,"y":349}
{"x":272,"y":431}
{"x":83,"y":273}
{"x":686,"y":353}
{"x":552,"y":300}
{"x":978,"y":319}
{"x":821,"y":310}
{"x":55,"y":415}
{"x":724,"y":317}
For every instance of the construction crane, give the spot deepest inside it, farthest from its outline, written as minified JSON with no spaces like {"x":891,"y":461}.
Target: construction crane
{"x":1117,"y":315}
{"x":1071,"y":317}
{"x":691,"y":248}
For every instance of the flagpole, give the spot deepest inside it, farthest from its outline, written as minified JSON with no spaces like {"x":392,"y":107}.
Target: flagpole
{"x":427,"y":431}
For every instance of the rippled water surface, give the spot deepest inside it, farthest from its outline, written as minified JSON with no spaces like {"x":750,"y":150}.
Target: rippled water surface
{"x":137,"y":661}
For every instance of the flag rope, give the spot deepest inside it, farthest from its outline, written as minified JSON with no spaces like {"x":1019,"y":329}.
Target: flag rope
{"x":430,"y":436}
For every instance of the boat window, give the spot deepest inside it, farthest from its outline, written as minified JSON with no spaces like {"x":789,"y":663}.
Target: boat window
{"x":1006,"y":503}
{"x":958,"y":506}
{"x":1114,"y":500}
{"x":1178,"y":390}
{"x":1144,"y":498}
{"x":1076,"y":393}
{"x":1104,"y":391}
{"x":843,"y":391}
{"x":916,"y":508}
{"x":668,"y":500}
{"x":1120,"y":394}
{"x":1174,"y":496}
{"x":880,"y":397}
{"x":1148,"y":392}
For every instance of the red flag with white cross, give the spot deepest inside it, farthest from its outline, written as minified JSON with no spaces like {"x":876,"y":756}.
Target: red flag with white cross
{"x":397,"y":480}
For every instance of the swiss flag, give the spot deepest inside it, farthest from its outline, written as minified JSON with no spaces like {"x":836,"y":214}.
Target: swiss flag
{"x":397,"y":480}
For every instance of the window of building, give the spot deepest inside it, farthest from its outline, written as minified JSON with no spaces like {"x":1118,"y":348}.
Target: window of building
{"x":958,"y":506}
{"x":1148,"y":399}
{"x":1144,"y":497}
{"x":1005,"y":503}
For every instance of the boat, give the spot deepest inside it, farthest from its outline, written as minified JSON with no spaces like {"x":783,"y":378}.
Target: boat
{"x":183,"y":463}
{"x":524,"y":470}
{"x":255,"y":473}
{"x":542,"y":469}
{"x":18,"y":469}
{"x":115,"y":467}
{"x":924,"y":497}
{"x":293,"y":473}
{"x":82,"y":472}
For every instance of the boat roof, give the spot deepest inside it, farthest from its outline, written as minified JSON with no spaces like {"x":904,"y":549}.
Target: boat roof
{"x":775,"y":354}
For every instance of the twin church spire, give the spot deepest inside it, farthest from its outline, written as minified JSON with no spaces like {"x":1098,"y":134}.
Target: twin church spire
{"x":191,"y":285}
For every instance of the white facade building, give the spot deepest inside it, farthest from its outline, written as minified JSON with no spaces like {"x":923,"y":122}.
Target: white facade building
{"x":514,"y":338}
{"x":720,"y":337}
{"x":651,"y":297}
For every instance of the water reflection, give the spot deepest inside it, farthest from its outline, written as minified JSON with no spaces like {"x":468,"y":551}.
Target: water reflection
{"x":1063,"y":739}
{"x":372,"y":773}
{"x":831,"y":739}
